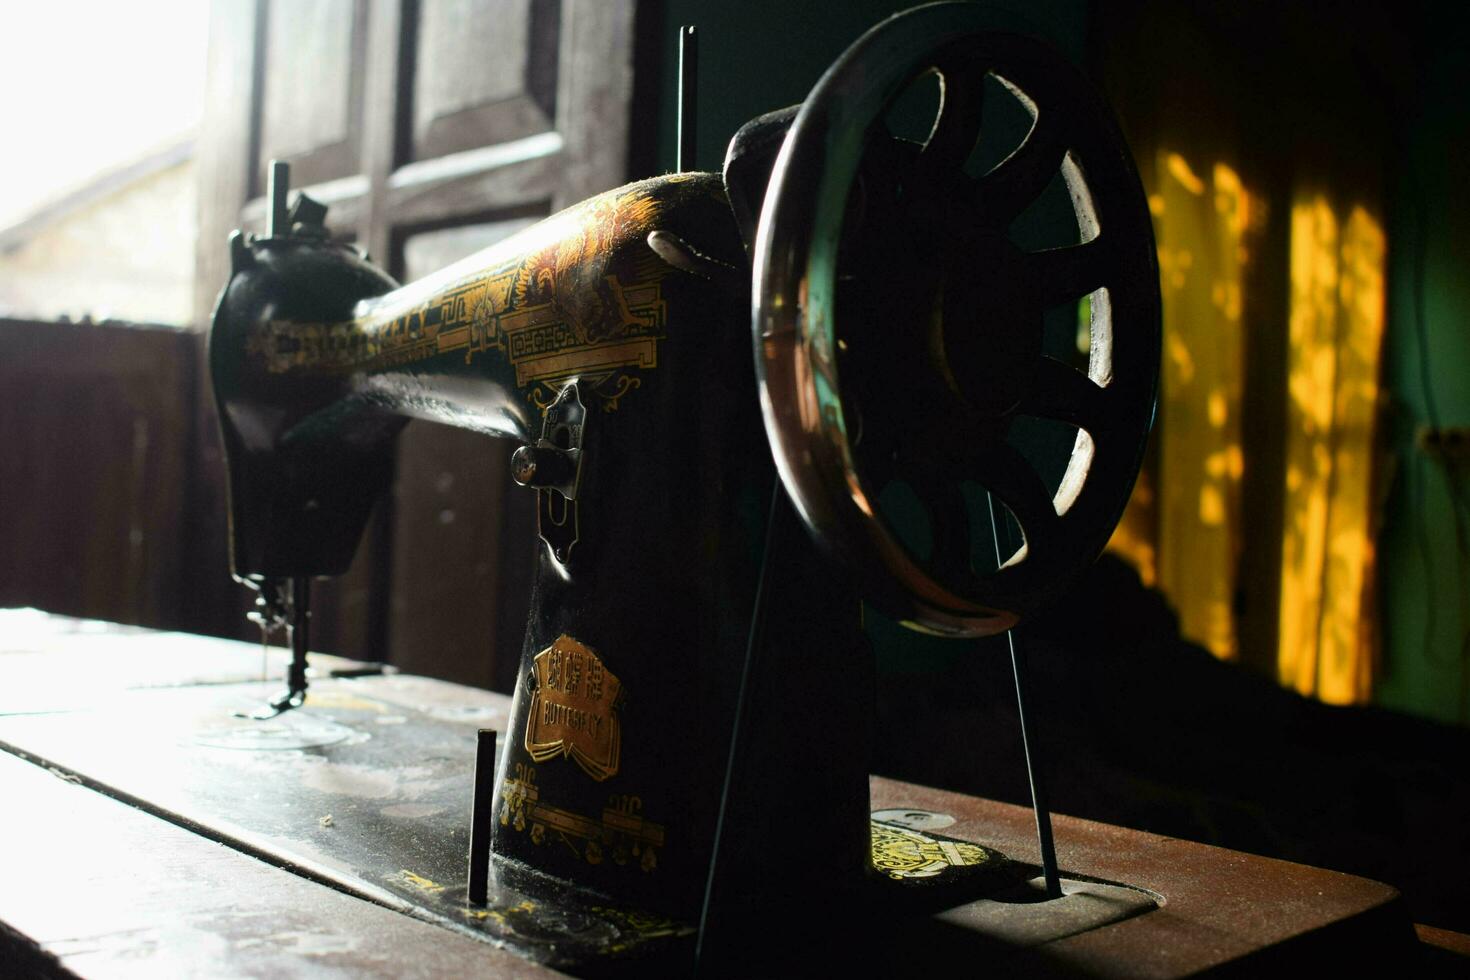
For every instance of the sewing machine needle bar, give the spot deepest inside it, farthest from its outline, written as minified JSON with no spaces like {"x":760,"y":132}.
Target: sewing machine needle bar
{"x":1034,"y":764}
{"x":480,"y":812}
{"x":300,"y":638}
{"x":688,"y":96}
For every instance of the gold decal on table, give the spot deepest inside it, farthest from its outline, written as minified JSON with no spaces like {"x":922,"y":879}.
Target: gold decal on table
{"x":902,"y":853}
{"x":622,"y":835}
{"x":573,"y":710}
{"x":407,"y":877}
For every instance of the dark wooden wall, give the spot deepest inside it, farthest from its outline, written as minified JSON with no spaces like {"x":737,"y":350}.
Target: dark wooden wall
{"x":96,"y":437}
{"x":112,"y":507}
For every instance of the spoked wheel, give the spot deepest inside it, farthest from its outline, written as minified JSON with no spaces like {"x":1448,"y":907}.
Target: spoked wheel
{"x":899,"y":327}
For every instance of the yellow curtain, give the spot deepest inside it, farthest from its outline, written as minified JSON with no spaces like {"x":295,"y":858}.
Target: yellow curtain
{"x":1336,"y":333}
{"x":1184,"y":529}
{"x":1201,"y":218}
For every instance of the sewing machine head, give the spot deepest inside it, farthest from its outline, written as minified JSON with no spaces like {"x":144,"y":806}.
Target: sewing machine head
{"x":709,"y":530}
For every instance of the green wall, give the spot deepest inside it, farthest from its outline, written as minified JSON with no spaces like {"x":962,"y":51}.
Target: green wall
{"x":760,"y":55}
{"x":1429,"y":239}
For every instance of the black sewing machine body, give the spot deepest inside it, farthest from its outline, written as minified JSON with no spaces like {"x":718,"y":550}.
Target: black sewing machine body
{"x":611,"y":774}
{"x":679,"y":606}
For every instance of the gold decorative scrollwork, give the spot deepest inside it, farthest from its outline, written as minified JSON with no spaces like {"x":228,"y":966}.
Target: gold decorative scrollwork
{"x":901,"y":853}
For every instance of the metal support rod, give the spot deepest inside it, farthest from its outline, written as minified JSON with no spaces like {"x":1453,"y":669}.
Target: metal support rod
{"x":277,"y":185}
{"x":300,"y":637}
{"x":753,"y":647}
{"x":688,"y":96}
{"x":1034,"y":764}
{"x":480,"y":813}
{"x":1035,"y":775}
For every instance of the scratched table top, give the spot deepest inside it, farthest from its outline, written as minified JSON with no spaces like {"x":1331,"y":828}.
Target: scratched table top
{"x":344,"y":828}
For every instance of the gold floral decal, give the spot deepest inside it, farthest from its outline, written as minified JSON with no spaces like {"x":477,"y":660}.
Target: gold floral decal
{"x":902,"y":853}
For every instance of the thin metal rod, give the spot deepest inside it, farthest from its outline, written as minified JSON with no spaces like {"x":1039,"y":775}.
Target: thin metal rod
{"x":688,"y":96}
{"x":300,"y":636}
{"x":752,"y":650}
{"x":1034,"y":764}
{"x":277,"y":185}
{"x":1034,"y":767}
{"x":480,"y":812}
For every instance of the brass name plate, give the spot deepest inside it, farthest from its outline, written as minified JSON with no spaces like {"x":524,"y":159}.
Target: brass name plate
{"x":574,"y":709}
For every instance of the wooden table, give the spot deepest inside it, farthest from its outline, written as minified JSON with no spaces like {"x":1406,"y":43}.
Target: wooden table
{"x":144,"y":832}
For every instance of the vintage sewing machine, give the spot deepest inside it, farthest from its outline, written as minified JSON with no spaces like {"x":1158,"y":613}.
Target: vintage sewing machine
{"x":715,"y":381}
{"x":694,"y":669}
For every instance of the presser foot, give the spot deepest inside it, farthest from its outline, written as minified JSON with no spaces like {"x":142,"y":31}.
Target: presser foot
{"x":276,"y":608}
{"x":283,"y":703}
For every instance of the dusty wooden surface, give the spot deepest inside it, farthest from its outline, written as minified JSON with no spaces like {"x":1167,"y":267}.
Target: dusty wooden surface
{"x":110,"y":891}
{"x":113,"y":890}
{"x":1218,"y":908}
{"x":1455,"y":944}
{"x":52,"y":663}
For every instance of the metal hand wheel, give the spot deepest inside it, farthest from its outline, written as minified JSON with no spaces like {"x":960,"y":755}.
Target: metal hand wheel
{"x":898,"y":325}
